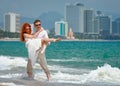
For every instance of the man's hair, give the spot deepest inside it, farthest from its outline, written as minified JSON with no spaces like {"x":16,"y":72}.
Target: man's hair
{"x":37,"y":20}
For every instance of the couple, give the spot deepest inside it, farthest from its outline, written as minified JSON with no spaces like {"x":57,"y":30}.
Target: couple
{"x":36,"y":44}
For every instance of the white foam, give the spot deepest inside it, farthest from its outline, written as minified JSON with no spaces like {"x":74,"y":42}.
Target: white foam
{"x":74,"y":60}
{"x":8,"y":62}
{"x":62,"y":74}
{"x":67,"y":70}
{"x":11,"y":75}
{"x":105,"y":73}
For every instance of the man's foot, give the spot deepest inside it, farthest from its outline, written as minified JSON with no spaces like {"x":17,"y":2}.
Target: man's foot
{"x":48,"y":77}
{"x":30,"y":76}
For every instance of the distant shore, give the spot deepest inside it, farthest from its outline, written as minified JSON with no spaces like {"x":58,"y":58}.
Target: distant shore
{"x":9,"y":39}
{"x":18,"y":39}
{"x":88,"y":40}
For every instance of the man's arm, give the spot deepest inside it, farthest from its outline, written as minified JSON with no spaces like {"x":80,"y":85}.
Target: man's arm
{"x":46,"y":34}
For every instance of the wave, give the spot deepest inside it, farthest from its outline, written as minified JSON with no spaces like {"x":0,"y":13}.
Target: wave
{"x":105,"y":73}
{"x":74,"y":60}
{"x":8,"y":62}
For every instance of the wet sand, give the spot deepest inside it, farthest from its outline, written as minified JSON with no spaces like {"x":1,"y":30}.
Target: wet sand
{"x":23,"y":82}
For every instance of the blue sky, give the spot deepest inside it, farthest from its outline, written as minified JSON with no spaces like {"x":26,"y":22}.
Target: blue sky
{"x":34,"y":8}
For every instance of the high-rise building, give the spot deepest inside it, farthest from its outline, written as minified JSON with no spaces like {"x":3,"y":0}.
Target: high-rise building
{"x":89,"y":21}
{"x":105,"y":25}
{"x":116,"y":27}
{"x":12,"y":22}
{"x":96,"y":26}
{"x":61,"y":28}
{"x":74,"y":15}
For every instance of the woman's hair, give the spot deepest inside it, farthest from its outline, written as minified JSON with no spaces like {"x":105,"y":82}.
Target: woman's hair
{"x":23,"y":30}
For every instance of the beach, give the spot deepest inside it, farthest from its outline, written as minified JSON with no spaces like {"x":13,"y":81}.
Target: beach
{"x":23,"y":82}
{"x":9,"y":39}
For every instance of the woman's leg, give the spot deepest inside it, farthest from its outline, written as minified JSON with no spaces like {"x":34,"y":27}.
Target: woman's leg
{"x":29,"y":69}
{"x":45,"y":41}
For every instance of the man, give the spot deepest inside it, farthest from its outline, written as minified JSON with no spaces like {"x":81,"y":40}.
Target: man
{"x":41,"y":57}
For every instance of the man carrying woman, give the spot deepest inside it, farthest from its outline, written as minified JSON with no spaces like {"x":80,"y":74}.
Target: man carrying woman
{"x":36,"y":44}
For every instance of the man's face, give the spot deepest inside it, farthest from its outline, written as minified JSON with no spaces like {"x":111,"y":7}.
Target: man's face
{"x":38,"y":25}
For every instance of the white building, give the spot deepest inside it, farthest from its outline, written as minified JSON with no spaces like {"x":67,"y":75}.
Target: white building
{"x":61,"y":28}
{"x":74,"y":15}
{"x":12,"y":22}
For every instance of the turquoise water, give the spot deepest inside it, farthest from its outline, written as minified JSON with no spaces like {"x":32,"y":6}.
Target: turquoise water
{"x":86,"y":54}
{"x":69,"y":61}
{"x":71,"y":53}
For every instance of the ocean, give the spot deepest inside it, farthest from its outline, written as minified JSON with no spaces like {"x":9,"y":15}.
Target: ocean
{"x":75,"y":62}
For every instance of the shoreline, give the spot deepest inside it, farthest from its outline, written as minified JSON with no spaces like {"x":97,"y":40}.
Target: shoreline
{"x":25,"y":82}
{"x":9,"y":39}
{"x":99,"y":40}
{"x":89,"y":40}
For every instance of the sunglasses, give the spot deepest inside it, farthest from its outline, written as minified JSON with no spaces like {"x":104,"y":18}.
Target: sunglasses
{"x":38,"y":25}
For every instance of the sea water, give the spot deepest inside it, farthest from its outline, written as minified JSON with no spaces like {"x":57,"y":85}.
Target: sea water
{"x":76,"y":62}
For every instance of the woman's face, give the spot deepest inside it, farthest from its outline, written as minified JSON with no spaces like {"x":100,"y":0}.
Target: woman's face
{"x":28,"y":29}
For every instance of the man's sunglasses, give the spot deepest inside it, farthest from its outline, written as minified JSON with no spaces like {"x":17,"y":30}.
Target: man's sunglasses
{"x":38,"y":25}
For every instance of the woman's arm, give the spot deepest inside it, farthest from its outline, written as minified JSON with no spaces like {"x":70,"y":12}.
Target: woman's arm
{"x":29,"y":36}
{"x":32,"y":35}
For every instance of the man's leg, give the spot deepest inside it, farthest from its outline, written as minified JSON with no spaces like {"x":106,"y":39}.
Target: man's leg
{"x":29,"y":69}
{"x":43,"y":64}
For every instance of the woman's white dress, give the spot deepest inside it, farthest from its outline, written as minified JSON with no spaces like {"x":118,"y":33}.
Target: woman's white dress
{"x":33,"y":45}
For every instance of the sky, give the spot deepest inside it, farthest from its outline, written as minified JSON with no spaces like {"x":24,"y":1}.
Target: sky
{"x":34,"y":8}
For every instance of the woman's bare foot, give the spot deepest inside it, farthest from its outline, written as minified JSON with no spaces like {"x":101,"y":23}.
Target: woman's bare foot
{"x":57,"y":39}
{"x":42,"y":51}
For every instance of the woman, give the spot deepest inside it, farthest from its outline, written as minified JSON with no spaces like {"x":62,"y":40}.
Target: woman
{"x":33,"y":44}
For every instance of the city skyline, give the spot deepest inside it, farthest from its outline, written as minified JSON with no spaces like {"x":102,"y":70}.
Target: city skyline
{"x":36,"y":8}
